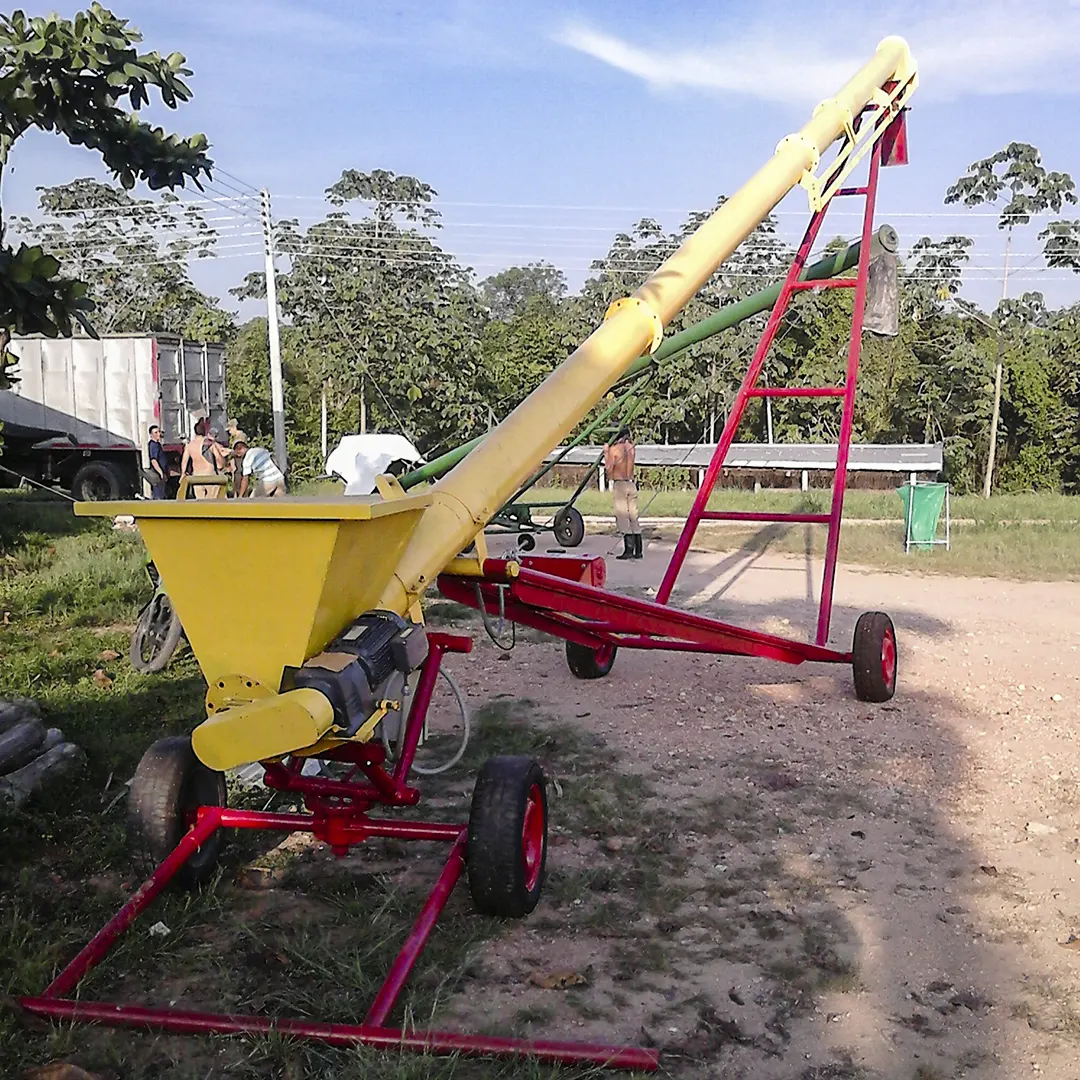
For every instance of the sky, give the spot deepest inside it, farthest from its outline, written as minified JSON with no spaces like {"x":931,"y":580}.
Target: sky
{"x":546,"y":128}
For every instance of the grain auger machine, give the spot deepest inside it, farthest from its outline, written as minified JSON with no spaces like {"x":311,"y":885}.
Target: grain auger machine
{"x":327,"y":651}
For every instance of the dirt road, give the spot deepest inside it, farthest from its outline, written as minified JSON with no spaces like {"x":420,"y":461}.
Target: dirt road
{"x":851,"y":890}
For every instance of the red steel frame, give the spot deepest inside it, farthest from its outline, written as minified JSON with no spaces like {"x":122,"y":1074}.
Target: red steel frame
{"x":564,"y":596}
{"x":895,"y":146}
{"x":338,"y":815}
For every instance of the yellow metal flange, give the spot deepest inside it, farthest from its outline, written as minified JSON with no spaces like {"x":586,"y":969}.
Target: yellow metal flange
{"x":634,"y":302}
{"x":232,"y":690}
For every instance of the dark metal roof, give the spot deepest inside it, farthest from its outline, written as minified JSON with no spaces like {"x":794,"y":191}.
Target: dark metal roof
{"x":866,"y":457}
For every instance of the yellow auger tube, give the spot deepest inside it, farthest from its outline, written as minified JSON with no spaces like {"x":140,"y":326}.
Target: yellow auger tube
{"x":466,"y":498}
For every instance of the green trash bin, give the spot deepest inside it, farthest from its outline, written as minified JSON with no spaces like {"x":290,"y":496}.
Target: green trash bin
{"x":923,"y":504}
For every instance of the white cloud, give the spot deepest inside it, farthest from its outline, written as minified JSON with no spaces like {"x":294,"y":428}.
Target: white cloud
{"x":988,"y":47}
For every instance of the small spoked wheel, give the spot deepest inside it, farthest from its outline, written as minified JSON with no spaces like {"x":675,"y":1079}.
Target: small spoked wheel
{"x":156,"y":636}
{"x":168,"y":788}
{"x":588,"y":663}
{"x":569,"y":527}
{"x":874,"y":657}
{"x":507,"y":849}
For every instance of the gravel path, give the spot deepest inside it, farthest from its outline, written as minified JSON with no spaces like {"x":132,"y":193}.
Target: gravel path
{"x":936,"y":839}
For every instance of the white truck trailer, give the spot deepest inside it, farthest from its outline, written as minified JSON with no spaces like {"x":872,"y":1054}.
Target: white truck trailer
{"x":79,"y":416}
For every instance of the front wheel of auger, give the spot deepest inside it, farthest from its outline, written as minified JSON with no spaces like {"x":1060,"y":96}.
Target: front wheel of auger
{"x":874,"y":657}
{"x":507,"y":848}
{"x":168,"y":788}
{"x":587,"y":663}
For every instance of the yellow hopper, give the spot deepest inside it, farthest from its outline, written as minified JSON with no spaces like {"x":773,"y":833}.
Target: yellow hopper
{"x":260,"y":586}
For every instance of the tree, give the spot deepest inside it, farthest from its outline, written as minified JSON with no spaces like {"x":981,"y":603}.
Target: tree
{"x":508,"y":292}
{"x":133,"y":255}
{"x":1015,"y":173}
{"x":385,"y":320}
{"x":74,"y":77}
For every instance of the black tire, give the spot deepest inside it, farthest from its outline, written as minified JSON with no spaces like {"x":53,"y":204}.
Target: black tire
{"x":874,"y":657}
{"x":587,"y":663}
{"x":526,"y":541}
{"x":169,"y":785}
{"x":507,"y":852}
{"x":156,"y":635}
{"x":98,"y":481}
{"x":569,"y":527}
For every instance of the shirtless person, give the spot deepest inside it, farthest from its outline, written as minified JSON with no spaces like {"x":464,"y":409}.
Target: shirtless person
{"x":619,"y":466}
{"x":206,"y":459}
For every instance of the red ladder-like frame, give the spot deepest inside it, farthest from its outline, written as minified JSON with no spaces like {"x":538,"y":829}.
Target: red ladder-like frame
{"x":891,"y":147}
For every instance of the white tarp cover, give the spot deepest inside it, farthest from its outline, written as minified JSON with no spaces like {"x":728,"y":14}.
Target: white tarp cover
{"x":358,"y":459}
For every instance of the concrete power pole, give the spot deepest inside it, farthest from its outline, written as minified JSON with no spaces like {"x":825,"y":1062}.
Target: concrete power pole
{"x":277,"y":393}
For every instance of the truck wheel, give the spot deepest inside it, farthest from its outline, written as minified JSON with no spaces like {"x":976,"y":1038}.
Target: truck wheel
{"x":156,"y":636}
{"x":98,"y":481}
{"x":507,"y":848}
{"x":569,"y":527}
{"x":169,"y":785}
{"x":874,"y":657}
{"x":587,"y":663}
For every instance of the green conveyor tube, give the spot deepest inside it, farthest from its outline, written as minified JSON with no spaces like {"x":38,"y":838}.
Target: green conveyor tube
{"x":728,"y":316}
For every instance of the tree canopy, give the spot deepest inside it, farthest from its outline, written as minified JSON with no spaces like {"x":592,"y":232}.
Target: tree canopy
{"x":83,"y":79}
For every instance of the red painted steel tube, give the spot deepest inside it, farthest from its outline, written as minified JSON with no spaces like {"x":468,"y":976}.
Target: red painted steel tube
{"x":463,"y":591}
{"x":410,"y":830}
{"x":406,"y":959}
{"x":851,"y":191}
{"x":438,"y":646}
{"x":727,"y":437}
{"x":575,"y":598}
{"x":628,"y":641}
{"x":764,"y":515}
{"x":96,"y":948}
{"x":280,"y":779}
{"x":263,"y":819}
{"x":346,"y":1035}
{"x":827,"y":283}
{"x":414,"y":726}
{"x":797,"y":391}
{"x":847,"y":420}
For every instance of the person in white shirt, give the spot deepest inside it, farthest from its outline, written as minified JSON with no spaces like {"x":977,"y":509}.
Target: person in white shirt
{"x":256,"y":462}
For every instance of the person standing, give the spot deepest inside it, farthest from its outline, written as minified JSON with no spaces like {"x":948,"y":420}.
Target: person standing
{"x":205,"y":457}
{"x":257,"y":462}
{"x":158,"y":463}
{"x":619,"y":466}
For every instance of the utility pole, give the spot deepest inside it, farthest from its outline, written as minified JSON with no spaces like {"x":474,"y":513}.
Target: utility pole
{"x":988,"y":479}
{"x":277,"y":393}
{"x":323,"y":423}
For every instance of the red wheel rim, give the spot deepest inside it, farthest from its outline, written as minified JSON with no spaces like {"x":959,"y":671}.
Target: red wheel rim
{"x":532,"y":837}
{"x":604,"y":655}
{"x":888,"y":657}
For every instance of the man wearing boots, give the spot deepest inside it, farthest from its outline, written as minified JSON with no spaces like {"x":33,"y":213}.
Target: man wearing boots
{"x":619,"y":466}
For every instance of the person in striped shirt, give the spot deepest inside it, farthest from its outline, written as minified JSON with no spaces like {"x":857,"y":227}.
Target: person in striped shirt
{"x":256,"y":463}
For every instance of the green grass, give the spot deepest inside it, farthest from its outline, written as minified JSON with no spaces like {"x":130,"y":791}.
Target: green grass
{"x":315,"y":944}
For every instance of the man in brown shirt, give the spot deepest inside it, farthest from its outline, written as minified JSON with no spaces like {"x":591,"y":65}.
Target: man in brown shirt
{"x":619,"y":466}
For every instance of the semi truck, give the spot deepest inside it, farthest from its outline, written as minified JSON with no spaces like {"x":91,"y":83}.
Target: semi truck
{"x":79,"y":416}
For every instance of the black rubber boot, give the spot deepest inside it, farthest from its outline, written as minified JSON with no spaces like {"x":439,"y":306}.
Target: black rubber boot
{"x":628,"y":547}
{"x":637,"y":546}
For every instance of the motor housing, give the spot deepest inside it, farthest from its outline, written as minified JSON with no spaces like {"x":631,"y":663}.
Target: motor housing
{"x":356,"y":670}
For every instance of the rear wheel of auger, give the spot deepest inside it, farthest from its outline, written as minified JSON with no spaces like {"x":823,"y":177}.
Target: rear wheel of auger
{"x":168,"y":788}
{"x":156,"y":636}
{"x":588,"y":663}
{"x":569,"y":526}
{"x":526,"y":541}
{"x":507,"y":848}
{"x":874,"y":657}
